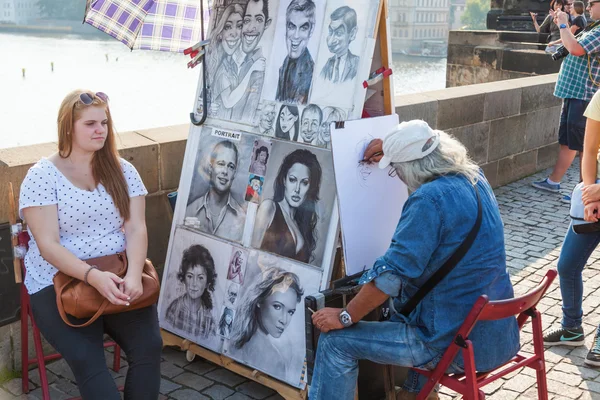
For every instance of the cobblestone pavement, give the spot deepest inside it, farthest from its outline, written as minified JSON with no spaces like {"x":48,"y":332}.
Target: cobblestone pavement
{"x":535,"y":224}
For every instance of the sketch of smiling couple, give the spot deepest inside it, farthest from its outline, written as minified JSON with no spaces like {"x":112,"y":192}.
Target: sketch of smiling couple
{"x":236,"y":64}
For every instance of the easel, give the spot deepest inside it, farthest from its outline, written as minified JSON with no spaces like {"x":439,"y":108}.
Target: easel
{"x":383,"y":102}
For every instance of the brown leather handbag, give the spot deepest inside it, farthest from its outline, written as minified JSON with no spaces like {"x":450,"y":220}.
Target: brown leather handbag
{"x":80,"y":300}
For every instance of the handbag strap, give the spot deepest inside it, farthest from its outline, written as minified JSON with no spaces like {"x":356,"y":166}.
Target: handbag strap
{"x":448,"y":266}
{"x":63,"y":315}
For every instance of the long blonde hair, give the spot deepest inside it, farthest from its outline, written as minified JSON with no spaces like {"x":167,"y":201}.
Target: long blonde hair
{"x":106,"y":167}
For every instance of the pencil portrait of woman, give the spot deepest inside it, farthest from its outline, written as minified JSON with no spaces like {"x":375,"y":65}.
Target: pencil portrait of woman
{"x":226,"y":86}
{"x":235,"y":273}
{"x":266,"y":310}
{"x":259,"y":164}
{"x":192,"y":312}
{"x":288,"y":123}
{"x":286,"y":224}
{"x":226,"y":322}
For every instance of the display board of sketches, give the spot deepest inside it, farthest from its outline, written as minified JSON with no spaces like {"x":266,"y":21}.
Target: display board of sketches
{"x":377,"y":193}
{"x":244,"y":303}
{"x":288,"y":68}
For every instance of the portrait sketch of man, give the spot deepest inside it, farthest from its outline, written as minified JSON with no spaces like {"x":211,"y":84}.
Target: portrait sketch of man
{"x":256,"y":21}
{"x":217,"y":212}
{"x":295,"y":75}
{"x":312,"y":118}
{"x":343,"y":65}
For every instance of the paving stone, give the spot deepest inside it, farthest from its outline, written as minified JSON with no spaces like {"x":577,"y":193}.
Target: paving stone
{"x":254,"y":390}
{"x":55,"y":394}
{"x":61,"y":368}
{"x":519,"y":383}
{"x":218,"y":392}
{"x":66,"y":386}
{"x":276,"y":396}
{"x":174,"y":356}
{"x":200,"y":367}
{"x":193,"y":381}
{"x":590,"y":386}
{"x":226,"y":377}
{"x":504,"y":395}
{"x":14,"y":386}
{"x":4,"y":395}
{"x":169,"y":370}
{"x":239,"y":396}
{"x":34,"y":376}
{"x":167,"y":386}
{"x":187,"y":394}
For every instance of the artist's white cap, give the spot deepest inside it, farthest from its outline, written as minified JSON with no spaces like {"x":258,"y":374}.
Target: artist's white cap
{"x":410,"y":140}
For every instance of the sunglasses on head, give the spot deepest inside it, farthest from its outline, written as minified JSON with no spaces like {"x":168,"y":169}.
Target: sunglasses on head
{"x":88,"y":98}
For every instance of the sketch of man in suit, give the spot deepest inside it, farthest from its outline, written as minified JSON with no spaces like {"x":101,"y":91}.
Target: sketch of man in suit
{"x":256,"y":21}
{"x":295,"y":75}
{"x":312,"y":117}
{"x":218,"y":213}
{"x":343,"y":66}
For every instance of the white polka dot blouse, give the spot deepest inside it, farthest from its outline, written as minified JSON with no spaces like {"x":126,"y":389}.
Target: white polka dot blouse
{"x":90,"y":225}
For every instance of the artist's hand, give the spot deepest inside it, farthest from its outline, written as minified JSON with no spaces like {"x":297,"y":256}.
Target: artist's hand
{"x":132,"y":287}
{"x":590,"y":193}
{"x":107,"y":284}
{"x":533,"y":15}
{"x":327,"y":319}
{"x":374,"y":151}
{"x":591,"y":213}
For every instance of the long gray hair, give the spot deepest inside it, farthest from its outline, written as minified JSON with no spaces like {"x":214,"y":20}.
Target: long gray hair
{"x":450,"y":157}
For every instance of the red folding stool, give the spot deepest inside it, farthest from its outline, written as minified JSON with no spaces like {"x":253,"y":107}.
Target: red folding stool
{"x":40,"y":359}
{"x":470,"y":383}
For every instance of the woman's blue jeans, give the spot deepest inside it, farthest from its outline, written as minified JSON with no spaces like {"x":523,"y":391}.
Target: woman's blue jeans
{"x":395,"y":343}
{"x":575,"y":252}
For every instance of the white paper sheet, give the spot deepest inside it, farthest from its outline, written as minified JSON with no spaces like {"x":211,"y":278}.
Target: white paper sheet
{"x":370,"y":199}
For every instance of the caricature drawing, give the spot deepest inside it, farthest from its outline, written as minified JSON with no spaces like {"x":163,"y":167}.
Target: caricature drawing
{"x":288,"y":124}
{"x":363,"y":170}
{"x":226,"y":87}
{"x":312,"y":118}
{"x":232,"y":292}
{"x":330,"y":114}
{"x":295,"y":75}
{"x":343,"y":65}
{"x":267,"y":113}
{"x":256,"y":21}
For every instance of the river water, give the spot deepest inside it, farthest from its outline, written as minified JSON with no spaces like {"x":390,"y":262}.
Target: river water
{"x":147,"y":89}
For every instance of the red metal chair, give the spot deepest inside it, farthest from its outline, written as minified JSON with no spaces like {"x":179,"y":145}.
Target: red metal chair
{"x":470,"y":383}
{"x":40,"y":359}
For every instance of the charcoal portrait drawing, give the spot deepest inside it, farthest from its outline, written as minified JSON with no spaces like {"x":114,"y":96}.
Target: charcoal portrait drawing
{"x":192,"y":312}
{"x":295,"y":75}
{"x":260,"y":157}
{"x":343,"y":65}
{"x":226,"y":322}
{"x":216,"y":210}
{"x":237,"y":266}
{"x":263,"y":315}
{"x":286,"y":224}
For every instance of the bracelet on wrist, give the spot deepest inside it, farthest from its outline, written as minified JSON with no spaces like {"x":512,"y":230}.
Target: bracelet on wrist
{"x":85,"y":276}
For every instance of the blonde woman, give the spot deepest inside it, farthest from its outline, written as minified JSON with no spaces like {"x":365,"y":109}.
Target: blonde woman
{"x":82,"y":202}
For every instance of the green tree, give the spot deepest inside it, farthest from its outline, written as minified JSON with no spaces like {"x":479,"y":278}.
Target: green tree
{"x":62,"y":9}
{"x":475,"y":14}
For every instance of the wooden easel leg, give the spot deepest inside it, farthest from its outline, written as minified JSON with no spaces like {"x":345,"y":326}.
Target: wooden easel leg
{"x":389,"y":382}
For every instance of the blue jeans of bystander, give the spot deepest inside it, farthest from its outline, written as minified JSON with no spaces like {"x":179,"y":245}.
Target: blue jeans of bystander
{"x":575,"y":252}
{"x":395,"y":343}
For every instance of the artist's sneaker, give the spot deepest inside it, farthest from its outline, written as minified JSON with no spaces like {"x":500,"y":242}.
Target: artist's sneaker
{"x":545,"y":185}
{"x":565,"y":337}
{"x":593,"y":356}
{"x":566,"y":199}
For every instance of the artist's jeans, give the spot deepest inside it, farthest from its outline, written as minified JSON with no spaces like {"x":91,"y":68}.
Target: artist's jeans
{"x":575,"y":252}
{"x":394,"y":343}
{"x":136,"y":331}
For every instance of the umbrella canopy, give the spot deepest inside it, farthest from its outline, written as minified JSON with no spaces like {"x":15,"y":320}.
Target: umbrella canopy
{"x":163,"y":25}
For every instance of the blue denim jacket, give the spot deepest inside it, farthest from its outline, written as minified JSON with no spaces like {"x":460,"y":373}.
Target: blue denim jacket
{"x":435,"y":220}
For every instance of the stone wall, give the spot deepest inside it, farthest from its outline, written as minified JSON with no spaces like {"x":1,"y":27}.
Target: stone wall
{"x":509,"y":128}
{"x":490,"y":56}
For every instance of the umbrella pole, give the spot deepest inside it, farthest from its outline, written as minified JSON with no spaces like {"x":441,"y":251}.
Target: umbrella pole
{"x":204,"y":97}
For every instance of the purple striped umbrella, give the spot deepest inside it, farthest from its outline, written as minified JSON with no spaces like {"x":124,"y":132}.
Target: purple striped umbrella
{"x":163,"y":25}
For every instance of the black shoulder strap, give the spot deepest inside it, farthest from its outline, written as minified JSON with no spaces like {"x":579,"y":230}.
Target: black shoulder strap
{"x":448,"y":266}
